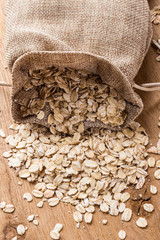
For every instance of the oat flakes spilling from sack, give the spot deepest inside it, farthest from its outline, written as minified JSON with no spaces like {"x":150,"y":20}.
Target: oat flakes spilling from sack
{"x":93,"y":168}
{"x":73,"y":98}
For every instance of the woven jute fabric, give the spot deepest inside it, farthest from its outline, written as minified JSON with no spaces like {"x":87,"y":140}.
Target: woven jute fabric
{"x":107,"y":37}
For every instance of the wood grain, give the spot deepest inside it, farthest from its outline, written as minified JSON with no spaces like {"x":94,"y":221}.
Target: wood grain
{"x":48,"y":217}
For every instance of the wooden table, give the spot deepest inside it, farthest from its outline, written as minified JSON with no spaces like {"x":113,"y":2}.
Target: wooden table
{"x":48,"y":217}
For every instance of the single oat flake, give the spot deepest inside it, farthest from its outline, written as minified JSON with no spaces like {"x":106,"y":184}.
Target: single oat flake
{"x":151,"y":161}
{"x":122,"y":234}
{"x":104,"y":207}
{"x":88,"y":217}
{"x":148,"y":207}
{"x":30,"y":218}
{"x":80,"y":208}
{"x":77,"y":216}
{"x":28,"y":197}
{"x":20,"y":229}
{"x":141,"y":222}
{"x":35,"y":222}
{"x":157,"y":174}
{"x":37,"y":194}
{"x":104,"y":221}
{"x":53,"y":202}
{"x":153,"y":189}
{"x":40,"y":204}
{"x":127,"y":214}
{"x":121,"y":207}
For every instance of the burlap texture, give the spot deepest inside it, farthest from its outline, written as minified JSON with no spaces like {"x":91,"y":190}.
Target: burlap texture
{"x":107,"y":37}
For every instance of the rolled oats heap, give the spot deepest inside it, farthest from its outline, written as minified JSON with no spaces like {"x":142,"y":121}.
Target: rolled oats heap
{"x":67,"y":98}
{"x":86,"y":169}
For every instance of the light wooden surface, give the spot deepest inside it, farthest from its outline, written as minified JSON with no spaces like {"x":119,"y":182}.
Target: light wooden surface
{"x":48,"y":217}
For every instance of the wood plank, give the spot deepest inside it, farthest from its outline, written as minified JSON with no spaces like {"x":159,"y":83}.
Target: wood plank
{"x":48,"y":217}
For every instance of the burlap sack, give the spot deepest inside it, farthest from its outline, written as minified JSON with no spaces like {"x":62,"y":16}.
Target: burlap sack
{"x":107,"y":37}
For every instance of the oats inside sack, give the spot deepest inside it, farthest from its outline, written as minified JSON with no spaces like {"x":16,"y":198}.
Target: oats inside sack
{"x":71,"y":97}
